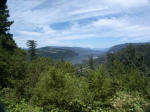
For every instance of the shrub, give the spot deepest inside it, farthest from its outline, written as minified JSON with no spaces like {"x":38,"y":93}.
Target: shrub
{"x":55,"y":87}
{"x":125,"y":102}
{"x":100,"y":84}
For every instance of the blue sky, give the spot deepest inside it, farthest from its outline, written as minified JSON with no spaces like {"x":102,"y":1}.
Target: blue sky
{"x":82,"y":23}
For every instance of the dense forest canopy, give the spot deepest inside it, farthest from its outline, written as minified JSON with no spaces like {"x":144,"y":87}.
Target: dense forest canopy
{"x":38,"y":84}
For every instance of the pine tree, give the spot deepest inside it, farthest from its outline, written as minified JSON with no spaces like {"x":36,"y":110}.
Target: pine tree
{"x":91,"y":62}
{"x":62,"y":60}
{"x":7,"y":45}
{"x":6,"y":40}
{"x":32,"y":49}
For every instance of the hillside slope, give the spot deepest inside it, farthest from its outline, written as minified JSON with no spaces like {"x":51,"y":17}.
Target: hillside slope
{"x":74,"y":54}
{"x":122,"y":46}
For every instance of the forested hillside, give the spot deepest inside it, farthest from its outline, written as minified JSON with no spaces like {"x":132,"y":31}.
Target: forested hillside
{"x":38,"y":84}
{"x":119,"y":47}
{"x":73,"y":54}
{"x":56,"y":53}
{"x":134,"y":55}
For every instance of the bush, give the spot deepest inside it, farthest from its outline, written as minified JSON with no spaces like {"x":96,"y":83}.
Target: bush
{"x":55,"y":87}
{"x":100,"y":84}
{"x":125,"y":102}
{"x":13,"y":104}
{"x":22,"y":106}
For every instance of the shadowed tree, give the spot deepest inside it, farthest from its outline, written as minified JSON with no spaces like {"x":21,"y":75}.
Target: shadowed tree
{"x":2,"y":108}
{"x":91,"y":62}
{"x":7,"y":44}
{"x":6,"y":40}
{"x":32,"y":48}
{"x":62,"y":60}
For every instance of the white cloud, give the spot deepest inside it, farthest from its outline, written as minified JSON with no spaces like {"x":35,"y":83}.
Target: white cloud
{"x":48,"y":30}
{"x":29,"y":33}
{"x":122,"y":19}
{"x":128,"y":3}
{"x":83,"y":11}
{"x":120,"y":27}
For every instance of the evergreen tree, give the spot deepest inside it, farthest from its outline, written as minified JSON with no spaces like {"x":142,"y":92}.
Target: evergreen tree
{"x":6,"y":40}
{"x":1,"y":108}
{"x":7,"y":44}
{"x":131,"y":56}
{"x":32,"y":49}
{"x":91,"y":62}
{"x":62,"y":60}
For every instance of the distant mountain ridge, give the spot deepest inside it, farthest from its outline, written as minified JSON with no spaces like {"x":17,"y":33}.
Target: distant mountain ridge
{"x":55,"y":52}
{"x":122,"y":46}
{"x":78,"y":54}
{"x":73,"y":54}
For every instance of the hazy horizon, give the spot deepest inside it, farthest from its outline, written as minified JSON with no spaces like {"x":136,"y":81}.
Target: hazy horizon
{"x":80,"y":23}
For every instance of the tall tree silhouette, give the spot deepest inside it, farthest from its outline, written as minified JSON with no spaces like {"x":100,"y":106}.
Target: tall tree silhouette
{"x":91,"y":62}
{"x":7,"y":45}
{"x":32,"y":48}
{"x":6,"y":40}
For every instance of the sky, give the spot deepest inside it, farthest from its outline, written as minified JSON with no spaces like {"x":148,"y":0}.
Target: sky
{"x":80,"y":23}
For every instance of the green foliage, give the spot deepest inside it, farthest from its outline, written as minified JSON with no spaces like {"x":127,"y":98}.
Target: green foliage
{"x":7,"y":45}
{"x":128,"y":79}
{"x":13,"y":104}
{"x":91,"y":62}
{"x":45,"y":86}
{"x":32,"y":49}
{"x":55,"y":87}
{"x":4,"y":67}
{"x":125,"y":102}
{"x":57,"y":53}
{"x":22,"y":106}
{"x":131,"y":57}
{"x":6,"y":40}
{"x":11,"y":66}
{"x":100,"y":84}
{"x":41,"y":85}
